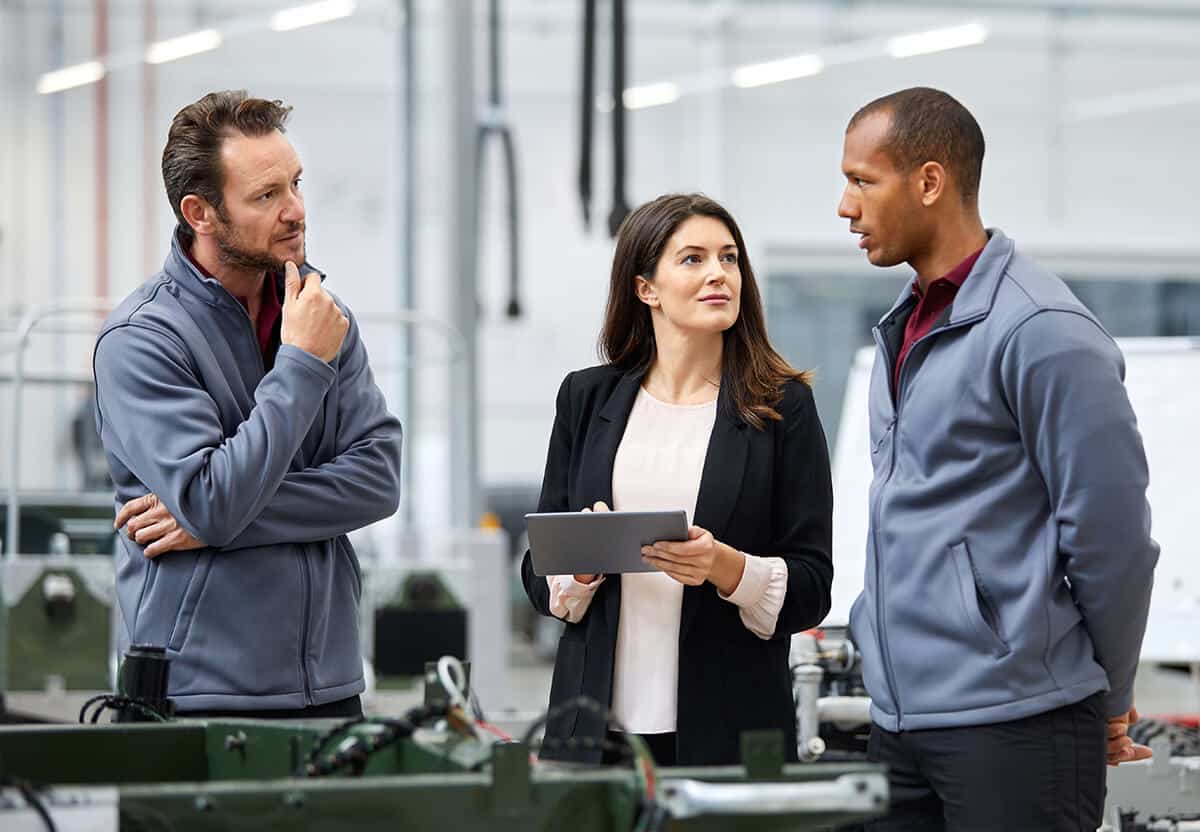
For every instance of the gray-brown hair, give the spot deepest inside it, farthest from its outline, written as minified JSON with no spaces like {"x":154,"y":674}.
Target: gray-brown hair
{"x":191,"y":160}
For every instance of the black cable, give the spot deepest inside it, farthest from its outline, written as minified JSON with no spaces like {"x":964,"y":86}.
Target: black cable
{"x":29,"y":792}
{"x":356,"y":756}
{"x":116,"y":702}
{"x":587,"y":106}
{"x":620,"y":208}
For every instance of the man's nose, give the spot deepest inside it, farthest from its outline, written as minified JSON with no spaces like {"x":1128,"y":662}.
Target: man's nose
{"x":293,"y":209}
{"x":848,"y":206}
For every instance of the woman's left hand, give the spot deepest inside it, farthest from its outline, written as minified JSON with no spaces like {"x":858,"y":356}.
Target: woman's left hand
{"x":698,"y":559}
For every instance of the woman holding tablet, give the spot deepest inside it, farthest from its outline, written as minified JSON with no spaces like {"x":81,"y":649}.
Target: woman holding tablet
{"x":694,"y":410}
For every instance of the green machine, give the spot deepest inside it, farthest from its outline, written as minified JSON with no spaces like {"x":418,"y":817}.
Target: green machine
{"x":438,"y":767}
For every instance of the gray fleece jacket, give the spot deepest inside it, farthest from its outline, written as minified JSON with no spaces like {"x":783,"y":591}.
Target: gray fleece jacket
{"x":1009,"y":557}
{"x":269,"y":467}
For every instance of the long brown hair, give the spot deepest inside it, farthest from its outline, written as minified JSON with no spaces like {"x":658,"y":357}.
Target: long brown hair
{"x":751,"y":368}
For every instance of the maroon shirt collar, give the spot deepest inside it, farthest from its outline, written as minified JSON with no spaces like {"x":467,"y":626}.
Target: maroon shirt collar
{"x":269,"y":313}
{"x":957,"y":275}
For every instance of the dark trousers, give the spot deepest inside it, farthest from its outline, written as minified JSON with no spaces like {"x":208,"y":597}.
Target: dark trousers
{"x":662,"y":748}
{"x":1043,"y":773}
{"x":341,"y":709}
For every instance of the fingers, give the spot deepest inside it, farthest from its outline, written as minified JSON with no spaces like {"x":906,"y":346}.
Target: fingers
{"x":291,"y":281}
{"x":600,"y":506}
{"x":155,"y":531}
{"x":1117,"y":728}
{"x":133,"y":508}
{"x":1133,"y":715}
{"x":684,"y":575}
{"x":1141,"y":752}
{"x":177,"y":540}
{"x":147,"y":518}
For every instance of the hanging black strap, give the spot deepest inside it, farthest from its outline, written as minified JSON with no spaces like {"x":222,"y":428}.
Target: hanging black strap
{"x":620,"y":207}
{"x":495,"y":124}
{"x":587,"y":108}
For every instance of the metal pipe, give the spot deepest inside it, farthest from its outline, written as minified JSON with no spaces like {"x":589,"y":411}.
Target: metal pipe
{"x":406,"y":242}
{"x":24,"y":330}
{"x":808,"y":691}
{"x":844,"y":711}
{"x":463,"y":407}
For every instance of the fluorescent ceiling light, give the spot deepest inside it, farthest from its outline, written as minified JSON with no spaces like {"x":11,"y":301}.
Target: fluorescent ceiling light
{"x":313,"y":13}
{"x":183,"y":46}
{"x":937,"y":40}
{"x":70,"y":76}
{"x":639,"y":98}
{"x":1139,"y":101}
{"x":772,"y":72}
{"x":650,"y":95}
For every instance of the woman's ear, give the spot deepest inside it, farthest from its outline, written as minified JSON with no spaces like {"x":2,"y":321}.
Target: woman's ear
{"x":646,"y":293}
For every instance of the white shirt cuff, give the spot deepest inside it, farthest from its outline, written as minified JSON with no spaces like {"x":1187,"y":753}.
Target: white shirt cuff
{"x":759,"y":595}
{"x":569,"y":599}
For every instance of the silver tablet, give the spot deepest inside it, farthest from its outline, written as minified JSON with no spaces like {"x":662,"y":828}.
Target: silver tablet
{"x":599,"y":542}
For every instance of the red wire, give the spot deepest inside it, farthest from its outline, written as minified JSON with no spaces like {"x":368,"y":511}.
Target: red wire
{"x":492,"y":729}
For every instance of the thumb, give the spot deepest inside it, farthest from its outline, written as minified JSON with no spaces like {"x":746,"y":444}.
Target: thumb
{"x":695,"y":532}
{"x":291,"y":281}
{"x":1140,"y":752}
{"x":600,"y":506}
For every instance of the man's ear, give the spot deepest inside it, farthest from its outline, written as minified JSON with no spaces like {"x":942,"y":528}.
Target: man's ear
{"x":932,"y":182}
{"x":198,"y":213}
{"x":646,"y":293}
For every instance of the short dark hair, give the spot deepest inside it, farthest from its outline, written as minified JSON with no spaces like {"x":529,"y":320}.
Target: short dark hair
{"x":929,"y":125}
{"x":191,"y":160}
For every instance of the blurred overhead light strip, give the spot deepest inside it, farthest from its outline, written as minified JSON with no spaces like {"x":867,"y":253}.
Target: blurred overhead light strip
{"x":1139,"y":101}
{"x":804,"y":66}
{"x":311,"y":14}
{"x":70,"y":76}
{"x":772,"y":72}
{"x":937,"y":40}
{"x":183,"y":46}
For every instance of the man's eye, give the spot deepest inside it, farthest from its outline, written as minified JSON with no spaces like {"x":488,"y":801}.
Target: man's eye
{"x":266,"y":196}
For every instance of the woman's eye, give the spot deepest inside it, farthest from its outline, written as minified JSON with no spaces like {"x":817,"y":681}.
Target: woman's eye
{"x":730,"y":258}
{"x":692,"y":258}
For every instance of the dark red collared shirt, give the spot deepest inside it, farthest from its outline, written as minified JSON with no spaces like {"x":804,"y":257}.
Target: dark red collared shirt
{"x":930,"y":306}
{"x":270,"y":314}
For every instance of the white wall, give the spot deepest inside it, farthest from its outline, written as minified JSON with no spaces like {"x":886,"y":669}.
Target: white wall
{"x":772,"y":154}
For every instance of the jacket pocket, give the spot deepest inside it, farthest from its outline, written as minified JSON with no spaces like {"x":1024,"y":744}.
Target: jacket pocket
{"x":355,"y":568}
{"x":978,"y":607}
{"x":191,"y":598}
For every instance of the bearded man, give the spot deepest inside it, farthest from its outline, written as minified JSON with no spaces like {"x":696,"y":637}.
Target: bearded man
{"x":245,"y":435}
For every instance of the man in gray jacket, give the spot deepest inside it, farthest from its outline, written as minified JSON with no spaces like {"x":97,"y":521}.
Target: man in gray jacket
{"x":244,"y":433}
{"x":1009,"y":558}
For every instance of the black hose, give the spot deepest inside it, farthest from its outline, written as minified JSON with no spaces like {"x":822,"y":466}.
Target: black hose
{"x":620,"y":208}
{"x":587,"y":106}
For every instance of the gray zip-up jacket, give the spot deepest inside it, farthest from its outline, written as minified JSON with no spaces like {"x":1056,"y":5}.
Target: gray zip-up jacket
{"x":271,"y":469}
{"x":1009,"y":558}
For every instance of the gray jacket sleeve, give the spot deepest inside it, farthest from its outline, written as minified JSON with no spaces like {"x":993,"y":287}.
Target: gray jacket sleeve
{"x":156,"y":417}
{"x":359,"y":486}
{"x":1063,"y":377}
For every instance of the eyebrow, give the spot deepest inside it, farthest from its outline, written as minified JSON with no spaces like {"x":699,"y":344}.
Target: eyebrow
{"x":263,"y":187}
{"x":701,"y":248}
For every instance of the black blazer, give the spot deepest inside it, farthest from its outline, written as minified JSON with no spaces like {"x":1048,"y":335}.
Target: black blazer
{"x":763,"y":492}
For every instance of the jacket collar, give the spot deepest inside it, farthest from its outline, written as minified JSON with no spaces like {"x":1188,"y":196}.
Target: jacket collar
{"x":977,"y":294}
{"x":180,"y":268}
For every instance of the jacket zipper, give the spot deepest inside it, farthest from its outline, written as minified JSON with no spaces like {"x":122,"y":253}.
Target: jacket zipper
{"x":880,"y":624}
{"x":307,"y":594}
{"x":305,"y":577}
{"x":889,"y":672}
